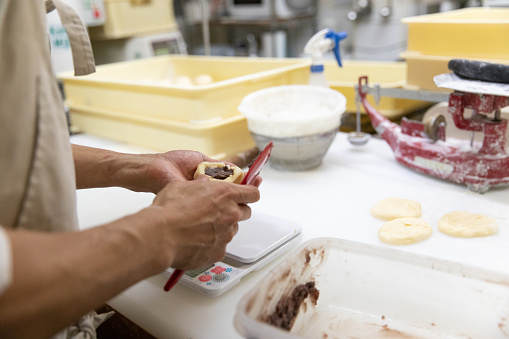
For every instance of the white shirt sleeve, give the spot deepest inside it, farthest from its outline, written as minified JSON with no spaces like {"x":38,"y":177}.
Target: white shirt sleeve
{"x":5,"y":261}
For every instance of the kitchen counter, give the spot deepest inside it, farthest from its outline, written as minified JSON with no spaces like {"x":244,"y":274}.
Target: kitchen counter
{"x":333,"y":200}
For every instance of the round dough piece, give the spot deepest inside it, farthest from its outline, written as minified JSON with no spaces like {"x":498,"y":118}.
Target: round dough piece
{"x":203,"y":79}
{"x":393,"y":208}
{"x":404,"y":231}
{"x":219,"y":171}
{"x":467,"y":225}
{"x":184,"y":81}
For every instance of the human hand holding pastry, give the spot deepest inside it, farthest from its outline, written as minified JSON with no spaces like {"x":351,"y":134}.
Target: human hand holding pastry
{"x":196,"y":234}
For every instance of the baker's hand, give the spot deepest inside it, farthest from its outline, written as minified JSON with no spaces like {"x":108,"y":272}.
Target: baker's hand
{"x":201,"y":217}
{"x":138,"y":172}
{"x":160,"y":169}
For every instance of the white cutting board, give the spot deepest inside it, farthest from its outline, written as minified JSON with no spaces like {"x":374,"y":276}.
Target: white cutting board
{"x":260,"y":235}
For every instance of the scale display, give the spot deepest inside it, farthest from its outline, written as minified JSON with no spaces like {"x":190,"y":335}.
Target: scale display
{"x":165,"y":47}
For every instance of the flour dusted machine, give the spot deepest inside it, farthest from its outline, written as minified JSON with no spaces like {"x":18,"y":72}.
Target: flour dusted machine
{"x":423,"y":146}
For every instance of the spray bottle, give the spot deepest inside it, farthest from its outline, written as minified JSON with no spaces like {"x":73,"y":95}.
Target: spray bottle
{"x":320,"y":43}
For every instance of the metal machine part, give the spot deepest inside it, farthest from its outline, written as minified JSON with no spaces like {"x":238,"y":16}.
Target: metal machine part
{"x":375,"y":26}
{"x":265,"y":9}
{"x":358,"y":138}
{"x":361,"y":9}
{"x":434,"y":126}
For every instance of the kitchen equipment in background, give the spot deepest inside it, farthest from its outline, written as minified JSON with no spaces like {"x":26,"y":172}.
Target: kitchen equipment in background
{"x":273,"y":44}
{"x":368,"y":291}
{"x":136,"y":29}
{"x":128,"y":18}
{"x":496,"y":3}
{"x":374,"y":27}
{"x":276,"y":36}
{"x":259,"y":240}
{"x":301,"y":121}
{"x":376,"y":31}
{"x":265,"y":9}
{"x":144,"y":102}
{"x":139,"y":47}
{"x":423,"y":146}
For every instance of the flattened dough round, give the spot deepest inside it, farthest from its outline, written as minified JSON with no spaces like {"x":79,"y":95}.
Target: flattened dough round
{"x":467,"y":225}
{"x":393,"y":208}
{"x":236,"y":175}
{"x":404,"y":231}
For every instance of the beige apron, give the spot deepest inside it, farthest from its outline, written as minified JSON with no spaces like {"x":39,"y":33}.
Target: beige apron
{"x":37,"y":180}
{"x":36,"y":167}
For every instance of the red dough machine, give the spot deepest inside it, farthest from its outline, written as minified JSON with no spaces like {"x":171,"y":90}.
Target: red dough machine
{"x":425,"y":148}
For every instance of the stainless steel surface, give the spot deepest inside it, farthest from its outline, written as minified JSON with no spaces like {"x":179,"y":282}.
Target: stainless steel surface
{"x":358,"y":138}
{"x":296,"y":153}
{"x":402,"y":93}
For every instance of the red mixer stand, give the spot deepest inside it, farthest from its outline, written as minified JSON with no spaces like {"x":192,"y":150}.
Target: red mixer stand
{"x":425,"y":148}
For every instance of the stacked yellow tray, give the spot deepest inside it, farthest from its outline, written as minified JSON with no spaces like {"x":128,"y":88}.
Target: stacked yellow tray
{"x":145,"y":102}
{"x":470,"y":33}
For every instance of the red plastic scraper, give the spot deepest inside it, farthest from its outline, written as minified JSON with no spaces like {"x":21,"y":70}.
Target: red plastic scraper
{"x":257,"y":165}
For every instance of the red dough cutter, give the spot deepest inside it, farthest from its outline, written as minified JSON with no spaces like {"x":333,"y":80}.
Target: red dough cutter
{"x":252,"y":173}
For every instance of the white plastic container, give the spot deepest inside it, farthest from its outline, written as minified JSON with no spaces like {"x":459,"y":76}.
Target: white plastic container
{"x":300,"y":120}
{"x":293,"y":111}
{"x":378,"y":292}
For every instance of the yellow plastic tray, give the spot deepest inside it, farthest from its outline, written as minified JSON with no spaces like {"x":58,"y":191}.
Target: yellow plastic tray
{"x":132,"y":101}
{"x":386,"y":74}
{"x":127,"y":18}
{"x":469,"y":32}
{"x":142,"y":87}
{"x":218,"y":140}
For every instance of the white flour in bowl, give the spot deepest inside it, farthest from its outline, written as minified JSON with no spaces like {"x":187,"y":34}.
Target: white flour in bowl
{"x":293,"y":111}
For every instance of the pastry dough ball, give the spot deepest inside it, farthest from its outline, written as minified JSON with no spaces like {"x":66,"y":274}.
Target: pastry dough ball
{"x":203,"y":79}
{"x":219,"y":171}
{"x":184,"y":81}
{"x":467,"y":225}
{"x":393,"y":208}
{"x":404,"y":231}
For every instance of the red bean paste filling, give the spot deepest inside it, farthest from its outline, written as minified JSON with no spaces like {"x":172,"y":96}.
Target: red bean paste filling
{"x":220,"y":173}
{"x":288,"y":307}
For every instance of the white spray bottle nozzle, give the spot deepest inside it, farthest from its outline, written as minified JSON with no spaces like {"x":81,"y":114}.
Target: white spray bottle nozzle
{"x":324,"y":41}
{"x":320,"y":43}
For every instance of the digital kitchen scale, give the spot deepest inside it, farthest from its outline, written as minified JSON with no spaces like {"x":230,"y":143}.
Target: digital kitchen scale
{"x":259,"y":240}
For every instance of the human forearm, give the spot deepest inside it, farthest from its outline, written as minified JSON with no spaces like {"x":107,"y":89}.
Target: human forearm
{"x":97,"y":167}
{"x":59,"y":277}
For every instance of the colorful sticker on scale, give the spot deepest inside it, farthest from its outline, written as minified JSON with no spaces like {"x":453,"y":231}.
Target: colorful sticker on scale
{"x":217,"y":275}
